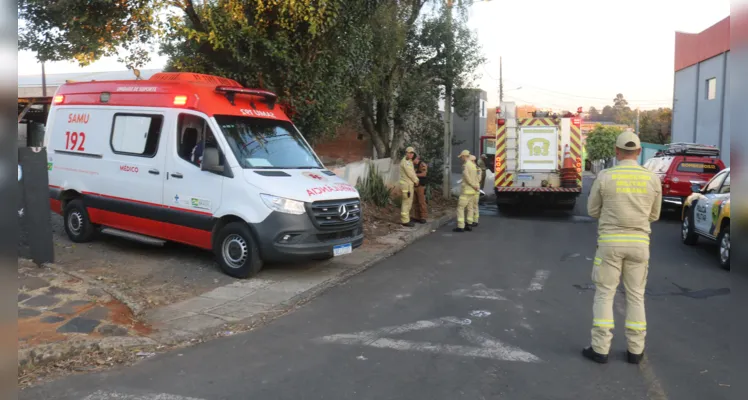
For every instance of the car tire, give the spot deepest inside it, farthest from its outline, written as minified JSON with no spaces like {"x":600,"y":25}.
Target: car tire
{"x":237,"y":251}
{"x":723,"y":242}
{"x":77,"y":223}
{"x":687,"y":233}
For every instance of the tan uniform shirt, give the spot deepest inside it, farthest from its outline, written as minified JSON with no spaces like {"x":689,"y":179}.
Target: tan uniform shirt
{"x":408,"y":176}
{"x":626,"y":199}
{"x":469,"y":178}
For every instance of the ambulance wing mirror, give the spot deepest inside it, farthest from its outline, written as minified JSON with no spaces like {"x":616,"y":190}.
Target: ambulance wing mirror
{"x":211,"y":160}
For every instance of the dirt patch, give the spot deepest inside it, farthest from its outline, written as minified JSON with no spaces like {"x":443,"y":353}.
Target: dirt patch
{"x":120,"y":314}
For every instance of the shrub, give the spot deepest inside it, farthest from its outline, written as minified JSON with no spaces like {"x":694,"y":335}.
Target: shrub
{"x":372,"y":189}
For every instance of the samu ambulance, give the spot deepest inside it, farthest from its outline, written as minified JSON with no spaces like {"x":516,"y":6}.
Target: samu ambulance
{"x":199,"y":160}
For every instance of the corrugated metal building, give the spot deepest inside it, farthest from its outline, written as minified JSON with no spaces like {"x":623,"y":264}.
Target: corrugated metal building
{"x":701,"y":89}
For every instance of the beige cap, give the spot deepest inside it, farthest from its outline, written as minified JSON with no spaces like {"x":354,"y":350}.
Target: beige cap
{"x":410,"y":149}
{"x":628,"y":141}
{"x":464,"y":153}
{"x":472,"y":157}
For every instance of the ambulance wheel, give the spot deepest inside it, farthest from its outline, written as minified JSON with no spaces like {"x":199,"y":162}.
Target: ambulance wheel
{"x":237,"y":251}
{"x":687,"y":233}
{"x":724,"y":247}
{"x":78,"y":225}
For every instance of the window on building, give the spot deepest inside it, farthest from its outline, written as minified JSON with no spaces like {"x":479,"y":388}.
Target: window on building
{"x":136,"y":135}
{"x":711,"y":88}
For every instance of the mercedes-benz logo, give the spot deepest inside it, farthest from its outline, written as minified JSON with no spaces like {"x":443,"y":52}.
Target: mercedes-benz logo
{"x":343,"y":212}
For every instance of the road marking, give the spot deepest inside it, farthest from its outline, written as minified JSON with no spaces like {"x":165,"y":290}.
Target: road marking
{"x":538,"y":281}
{"x":654,"y":388}
{"x":479,"y":291}
{"x":100,"y":395}
{"x":484,"y":346}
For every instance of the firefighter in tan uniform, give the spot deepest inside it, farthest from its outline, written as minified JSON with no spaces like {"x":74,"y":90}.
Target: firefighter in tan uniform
{"x":469,"y":189}
{"x":626,"y":199}
{"x":476,"y":197}
{"x":408,"y":181}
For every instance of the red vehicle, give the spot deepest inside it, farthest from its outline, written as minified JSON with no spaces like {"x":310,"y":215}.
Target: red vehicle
{"x":681,"y":166}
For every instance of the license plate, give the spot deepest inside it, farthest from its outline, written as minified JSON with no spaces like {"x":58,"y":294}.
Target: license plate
{"x":525,"y":177}
{"x":341,"y":249}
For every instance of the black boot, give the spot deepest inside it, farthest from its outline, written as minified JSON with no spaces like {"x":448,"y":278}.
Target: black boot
{"x":474,"y":225}
{"x":458,"y":230}
{"x":591,"y":354}
{"x":634,"y":358}
{"x":468,"y":228}
{"x":409,"y":224}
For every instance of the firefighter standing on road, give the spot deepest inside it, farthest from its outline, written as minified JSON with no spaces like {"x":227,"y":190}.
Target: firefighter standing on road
{"x":476,"y":197}
{"x":482,"y":166}
{"x":468,"y":190}
{"x":408,"y":181}
{"x":420,"y":209}
{"x":626,"y":199}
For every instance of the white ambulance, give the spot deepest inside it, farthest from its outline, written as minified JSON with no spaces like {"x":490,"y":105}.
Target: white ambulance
{"x":199,"y":160}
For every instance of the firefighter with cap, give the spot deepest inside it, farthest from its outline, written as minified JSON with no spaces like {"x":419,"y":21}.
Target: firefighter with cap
{"x":468,"y":190}
{"x":625,"y":199}
{"x":476,"y":197}
{"x":408,"y":181}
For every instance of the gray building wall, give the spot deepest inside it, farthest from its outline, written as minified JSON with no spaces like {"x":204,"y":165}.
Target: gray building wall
{"x":697,"y":118}
{"x":468,"y":128}
{"x":684,"y":104}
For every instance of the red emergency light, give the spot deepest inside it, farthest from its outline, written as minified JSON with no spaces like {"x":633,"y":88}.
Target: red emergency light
{"x":500,"y":121}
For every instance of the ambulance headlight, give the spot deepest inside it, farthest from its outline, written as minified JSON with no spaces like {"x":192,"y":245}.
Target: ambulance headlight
{"x":280,"y":204}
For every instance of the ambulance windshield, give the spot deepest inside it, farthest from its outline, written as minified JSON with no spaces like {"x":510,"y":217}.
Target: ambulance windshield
{"x":266,"y":143}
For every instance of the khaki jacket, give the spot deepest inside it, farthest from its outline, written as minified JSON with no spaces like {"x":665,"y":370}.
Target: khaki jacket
{"x":626,"y":199}
{"x":469,"y":179}
{"x":408,"y":176}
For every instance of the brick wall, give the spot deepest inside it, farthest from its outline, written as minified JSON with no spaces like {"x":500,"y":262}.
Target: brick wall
{"x":346,"y":147}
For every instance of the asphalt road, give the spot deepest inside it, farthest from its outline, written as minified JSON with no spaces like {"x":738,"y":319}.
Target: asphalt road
{"x":498,"y":313}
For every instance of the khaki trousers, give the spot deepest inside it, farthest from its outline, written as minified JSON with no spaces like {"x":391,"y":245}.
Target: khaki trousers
{"x":420,"y":209}
{"x":631,"y":261}
{"x":476,"y":210}
{"x":464,"y":205}
{"x":407,"y":203}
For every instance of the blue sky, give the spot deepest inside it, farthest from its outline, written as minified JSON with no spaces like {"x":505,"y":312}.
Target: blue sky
{"x":563,"y":54}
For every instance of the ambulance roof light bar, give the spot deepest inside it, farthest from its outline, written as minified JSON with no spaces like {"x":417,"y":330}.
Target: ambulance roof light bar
{"x":231,"y":91}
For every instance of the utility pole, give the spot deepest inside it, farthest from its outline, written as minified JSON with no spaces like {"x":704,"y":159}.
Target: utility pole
{"x":447,"y":179}
{"x":501,"y":82}
{"x":637,"y":120}
{"x":44,"y":82}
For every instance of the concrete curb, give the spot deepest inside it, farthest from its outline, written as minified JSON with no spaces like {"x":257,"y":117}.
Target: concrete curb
{"x":47,"y":353}
{"x":191,"y":333}
{"x":121,"y":297}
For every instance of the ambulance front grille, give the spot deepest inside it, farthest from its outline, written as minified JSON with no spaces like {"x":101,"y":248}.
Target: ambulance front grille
{"x":336,"y":214}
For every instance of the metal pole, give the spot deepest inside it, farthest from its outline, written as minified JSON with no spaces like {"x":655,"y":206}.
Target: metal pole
{"x":447,"y":180}
{"x":637,"y":120}
{"x":501,"y":82}
{"x":44,"y":82}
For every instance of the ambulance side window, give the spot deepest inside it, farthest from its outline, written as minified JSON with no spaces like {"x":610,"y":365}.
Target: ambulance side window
{"x":136,"y":134}
{"x":194,"y":135}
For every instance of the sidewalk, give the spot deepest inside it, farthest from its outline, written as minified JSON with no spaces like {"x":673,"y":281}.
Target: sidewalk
{"x":59,"y":315}
{"x":69,"y":322}
{"x":243,"y":304}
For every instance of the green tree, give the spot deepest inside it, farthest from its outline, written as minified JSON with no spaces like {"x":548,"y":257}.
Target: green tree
{"x":655,"y":125}
{"x":593,"y":114}
{"x":407,"y":64}
{"x":608,"y":114}
{"x":601,"y":142}
{"x":86,"y":30}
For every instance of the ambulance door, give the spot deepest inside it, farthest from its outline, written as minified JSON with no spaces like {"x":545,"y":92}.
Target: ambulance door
{"x":191,"y":195}
{"x":129,"y":180}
